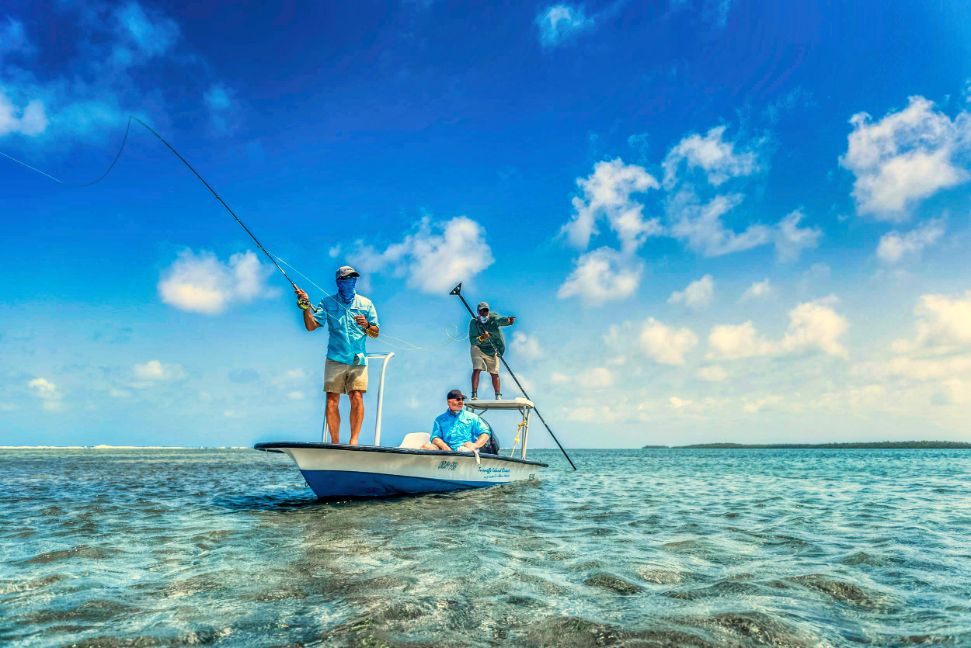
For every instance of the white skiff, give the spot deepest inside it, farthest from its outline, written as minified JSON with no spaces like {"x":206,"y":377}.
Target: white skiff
{"x":336,"y":471}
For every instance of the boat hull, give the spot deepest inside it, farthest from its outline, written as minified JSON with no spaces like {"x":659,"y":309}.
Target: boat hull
{"x":339,"y":471}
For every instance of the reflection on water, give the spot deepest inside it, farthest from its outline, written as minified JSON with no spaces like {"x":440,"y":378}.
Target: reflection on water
{"x":651,"y":547}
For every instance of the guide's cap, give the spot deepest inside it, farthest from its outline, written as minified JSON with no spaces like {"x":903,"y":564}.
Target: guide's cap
{"x":344,"y":272}
{"x":455,"y":393}
{"x":481,"y":306}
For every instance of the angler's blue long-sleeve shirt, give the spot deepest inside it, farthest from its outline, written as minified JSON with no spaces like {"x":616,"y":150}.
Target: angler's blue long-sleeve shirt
{"x":457,"y":428}
{"x":347,"y":339}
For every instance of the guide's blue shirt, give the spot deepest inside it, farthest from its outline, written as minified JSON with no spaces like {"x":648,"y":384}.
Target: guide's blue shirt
{"x":455,"y":429}
{"x":347,"y":339}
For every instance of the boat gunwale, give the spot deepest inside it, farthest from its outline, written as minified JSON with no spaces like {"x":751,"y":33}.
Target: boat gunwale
{"x":272,"y":447}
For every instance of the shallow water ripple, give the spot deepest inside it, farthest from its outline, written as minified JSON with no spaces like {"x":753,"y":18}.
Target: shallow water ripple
{"x":640,"y":548}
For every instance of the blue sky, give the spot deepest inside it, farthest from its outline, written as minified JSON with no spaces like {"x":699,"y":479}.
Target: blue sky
{"x":716,"y":221}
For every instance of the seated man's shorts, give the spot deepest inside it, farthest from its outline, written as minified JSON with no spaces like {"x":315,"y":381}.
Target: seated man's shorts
{"x":340,"y":378}
{"x":483,"y":361}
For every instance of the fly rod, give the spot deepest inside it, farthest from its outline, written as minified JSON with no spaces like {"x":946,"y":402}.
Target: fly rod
{"x":223,"y":203}
{"x":457,"y":291}
{"x":190,"y":167}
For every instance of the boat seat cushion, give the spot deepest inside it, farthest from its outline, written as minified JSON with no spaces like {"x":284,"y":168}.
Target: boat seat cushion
{"x":415,"y":440}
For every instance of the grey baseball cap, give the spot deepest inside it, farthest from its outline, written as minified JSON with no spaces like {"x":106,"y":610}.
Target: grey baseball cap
{"x":347,"y":271}
{"x":481,"y":306}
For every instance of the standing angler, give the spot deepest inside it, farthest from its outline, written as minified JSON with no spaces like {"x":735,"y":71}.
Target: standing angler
{"x":350,"y":319}
{"x":487,"y":345}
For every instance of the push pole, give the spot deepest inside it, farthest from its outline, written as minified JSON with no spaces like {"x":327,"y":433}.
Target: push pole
{"x":457,"y":291}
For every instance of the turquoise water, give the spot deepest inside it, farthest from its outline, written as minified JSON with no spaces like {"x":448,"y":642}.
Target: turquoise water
{"x":641,"y":547}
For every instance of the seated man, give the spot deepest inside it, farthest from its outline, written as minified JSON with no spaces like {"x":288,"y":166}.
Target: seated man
{"x":458,"y":429}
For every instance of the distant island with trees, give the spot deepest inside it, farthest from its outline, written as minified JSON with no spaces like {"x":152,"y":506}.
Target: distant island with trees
{"x":855,"y":445}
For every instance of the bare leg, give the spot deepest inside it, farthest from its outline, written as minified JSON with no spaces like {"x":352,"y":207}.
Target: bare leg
{"x":333,"y":417}
{"x":475,"y":380}
{"x":357,"y":415}
{"x":495,"y":384}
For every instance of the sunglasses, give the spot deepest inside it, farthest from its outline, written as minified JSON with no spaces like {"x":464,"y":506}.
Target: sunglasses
{"x":457,"y":399}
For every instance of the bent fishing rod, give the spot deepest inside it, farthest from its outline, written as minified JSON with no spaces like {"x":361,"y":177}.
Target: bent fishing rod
{"x":222,"y":202}
{"x":457,"y":291}
{"x":303,"y":302}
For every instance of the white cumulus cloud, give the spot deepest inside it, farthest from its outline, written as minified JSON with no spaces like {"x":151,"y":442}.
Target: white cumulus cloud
{"x":606,"y":274}
{"x":895,"y":246}
{"x":733,"y":341}
{"x":561,"y":22}
{"x":929,"y":368}
{"x":200,"y":282}
{"x":43,"y":388}
{"x":679,"y":403}
{"x":221,"y":103}
{"x":905,"y":157}
{"x":939,"y":353}
{"x":118,"y":52}
{"x":790,"y":239}
{"x":666,"y":344}
{"x":718,"y":158}
{"x":813,"y":325}
{"x":757,"y":290}
{"x":157,"y":371}
{"x":47,"y":392}
{"x":606,"y":194}
{"x":942,"y":321}
{"x":700,"y":224}
{"x":602,"y":275}
{"x":30,"y":119}
{"x":141,"y":34}
{"x":435,"y":256}
{"x":526,"y":346}
{"x":698,"y":294}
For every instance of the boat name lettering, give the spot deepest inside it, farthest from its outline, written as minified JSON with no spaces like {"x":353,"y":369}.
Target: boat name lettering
{"x":448,"y":465}
{"x":493,"y":471}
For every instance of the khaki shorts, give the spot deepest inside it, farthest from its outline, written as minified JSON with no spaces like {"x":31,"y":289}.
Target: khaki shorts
{"x":483,"y":361}
{"x":340,"y":378}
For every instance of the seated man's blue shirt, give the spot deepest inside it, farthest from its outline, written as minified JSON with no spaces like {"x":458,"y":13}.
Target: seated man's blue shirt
{"x":346,"y":343}
{"x":457,"y":428}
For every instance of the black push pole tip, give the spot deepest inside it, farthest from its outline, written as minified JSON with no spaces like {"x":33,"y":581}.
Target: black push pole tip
{"x":457,"y":290}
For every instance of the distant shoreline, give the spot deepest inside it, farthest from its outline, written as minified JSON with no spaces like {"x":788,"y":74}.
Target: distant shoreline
{"x":853,"y":445}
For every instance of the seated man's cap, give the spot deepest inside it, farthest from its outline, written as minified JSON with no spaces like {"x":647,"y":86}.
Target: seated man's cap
{"x":455,"y":393}
{"x":481,"y":306}
{"x":347,"y":271}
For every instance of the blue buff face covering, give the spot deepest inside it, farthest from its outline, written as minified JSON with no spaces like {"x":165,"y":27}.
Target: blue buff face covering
{"x":345,"y":288}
